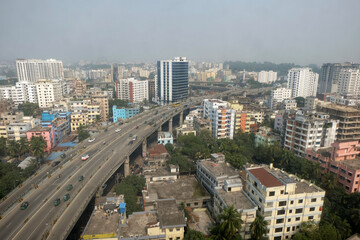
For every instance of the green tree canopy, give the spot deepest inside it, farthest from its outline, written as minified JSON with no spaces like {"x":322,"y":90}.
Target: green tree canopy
{"x":194,"y":235}
{"x":30,"y":109}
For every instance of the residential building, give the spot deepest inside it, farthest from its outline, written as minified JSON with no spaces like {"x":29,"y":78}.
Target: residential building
{"x":46,"y":133}
{"x":124,"y":113}
{"x":349,"y":82}
{"x":32,"y":70}
{"x":343,"y":100}
{"x":278,"y":95}
{"x":8,"y":117}
{"x":17,"y":129}
{"x":329,"y":76}
{"x":201,"y":124}
{"x":284,"y":200}
{"x":302,"y":82}
{"x":266,"y":77}
{"x":348,"y":117}
{"x":165,"y":138}
{"x":310,"y":103}
{"x":172,"y":80}
{"x":266,"y":137}
{"x":289,"y":104}
{"x":97,"y":74}
{"x":135,"y":91}
{"x":210,"y":105}
{"x":48,"y":91}
{"x":84,"y":112}
{"x":101,"y":98}
{"x":309,"y":131}
{"x":152,"y":89}
{"x":342,"y":160}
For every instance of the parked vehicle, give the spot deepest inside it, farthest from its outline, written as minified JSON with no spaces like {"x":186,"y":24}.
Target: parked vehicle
{"x":24,"y":205}
{"x":56,"y":202}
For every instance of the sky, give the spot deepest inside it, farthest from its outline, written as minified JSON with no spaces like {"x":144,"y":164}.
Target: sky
{"x":302,"y":32}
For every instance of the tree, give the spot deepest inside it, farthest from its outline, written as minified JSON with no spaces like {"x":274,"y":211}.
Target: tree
{"x":194,"y":235}
{"x":300,"y":101}
{"x":229,"y":224}
{"x":23,"y":146}
{"x":37,"y":147}
{"x":82,"y":133}
{"x":13,"y":148}
{"x":30,"y":109}
{"x":2,"y":146}
{"x":258,"y":228}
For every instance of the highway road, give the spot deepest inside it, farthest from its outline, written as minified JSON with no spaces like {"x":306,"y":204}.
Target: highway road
{"x":43,"y":220}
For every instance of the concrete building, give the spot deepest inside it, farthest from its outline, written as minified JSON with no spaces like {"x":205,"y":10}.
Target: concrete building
{"x":101,"y":98}
{"x":266,"y":137}
{"x":266,"y":77}
{"x":84,"y":112}
{"x":152,"y":89}
{"x":48,"y":91}
{"x":47,"y":133}
{"x":16,"y":130}
{"x":309,"y":131}
{"x":329,"y":76}
{"x":289,"y":104}
{"x":135,"y":91}
{"x":165,"y":138}
{"x":97,"y":74}
{"x":310,"y":103}
{"x":32,"y":70}
{"x":172,"y":80}
{"x":348,"y":117}
{"x":284,"y":200}
{"x":302,"y":82}
{"x":349,"y":82}
{"x":342,"y":160}
{"x":124,"y":113}
{"x":278,"y":95}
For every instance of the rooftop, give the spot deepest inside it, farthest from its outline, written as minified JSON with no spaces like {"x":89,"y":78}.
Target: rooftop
{"x":138,"y":223}
{"x":157,"y":150}
{"x":102,"y":223}
{"x":169,"y":213}
{"x":305,"y":187}
{"x":183,"y":189}
{"x":238,"y":199}
{"x":39,"y":129}
{"x":352,"y":163}
{"x":265,"y":178}
{"x":164,"y":135}
{"x":340,"y":108}
{"x":219,"y":169}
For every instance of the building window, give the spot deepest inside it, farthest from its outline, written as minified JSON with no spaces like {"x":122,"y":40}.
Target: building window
{"x":301,"y":201}
{"x":288,"y":229}
{"x":291,"y":202}
{"x":290,"y":211}
{"x":312,"y":209}
{"x":297,"y":219}
{"x":271,"y":194}
{"x":281,"y":220}
{"x":282,"y":203}
{"x":178,"y":229}
{"x":311,"y":217}
{"x":282,"y":192}
{"x":299,"y":210}
{"x":280,"y":212}
{"x":171,"y":229}
{"x":313,"y":200}
{"x":278,"y":230}
{"x":289,"y":220}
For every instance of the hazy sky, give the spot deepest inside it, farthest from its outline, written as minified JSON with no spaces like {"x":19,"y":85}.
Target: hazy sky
{"x":302,"y":31}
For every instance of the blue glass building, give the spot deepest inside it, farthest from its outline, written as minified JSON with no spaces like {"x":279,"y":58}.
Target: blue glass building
{"x":172,"y":80}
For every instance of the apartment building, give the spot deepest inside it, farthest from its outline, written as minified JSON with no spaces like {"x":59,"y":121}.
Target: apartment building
{"x":47,"y":133}
{"x":302,"y":82}
{"x":308,"y":131}
{"x":124,"y":113}
{"x":17,"y":129}
{"x":349,"y":82}
{"x":225,"y":187}
{"x":101,"y":97}
{"x":289,"y":104}
{"x":284,"y":200}
{"x":132,"y":90}
{"x":342,"y":160}
{"x":84,"y":112}
{"x":278,"y":95}
{"x":32,"y":70}
{"x":266,"y":77}
{"x":48,"y":91}
{"x":348,"y":117}
{"x":266,"y":137}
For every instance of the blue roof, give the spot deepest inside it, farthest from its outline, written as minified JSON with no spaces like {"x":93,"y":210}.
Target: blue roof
{"x":67,"y":144}
{"x":54,"y":156}
{"x":122,"y":205}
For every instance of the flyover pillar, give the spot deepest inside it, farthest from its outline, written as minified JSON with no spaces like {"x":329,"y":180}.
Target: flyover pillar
{"x":144,"y":148}
{"x":181,"y":118}
{"x":127,"y":166}
{"x":171,"y":125}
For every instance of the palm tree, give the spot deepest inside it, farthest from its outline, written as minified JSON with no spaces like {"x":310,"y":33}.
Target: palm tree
{"x":258,"y":228}
{"x":229,"y":225}
{"x":37,"y":147}
{"x":23,"y":146}
{"x":13,"y":148}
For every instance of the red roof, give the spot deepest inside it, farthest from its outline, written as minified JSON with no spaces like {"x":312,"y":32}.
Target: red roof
{"x":157,"y":150}
{"x":266,"y":178}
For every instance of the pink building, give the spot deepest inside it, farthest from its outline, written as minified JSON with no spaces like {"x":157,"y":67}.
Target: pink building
{"x":46,"y":133}
{"x":341,"y":159}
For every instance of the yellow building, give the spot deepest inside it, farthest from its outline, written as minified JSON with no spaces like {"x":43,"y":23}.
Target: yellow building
{"x":84,"y":113}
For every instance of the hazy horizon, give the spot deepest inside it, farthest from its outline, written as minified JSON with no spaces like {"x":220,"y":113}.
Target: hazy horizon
{"x":279,"y":31}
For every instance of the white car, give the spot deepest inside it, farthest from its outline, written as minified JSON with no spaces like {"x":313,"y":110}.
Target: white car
{"x":91,"y":140}
{"x":85,"y":157}
{"x":118,"y":130}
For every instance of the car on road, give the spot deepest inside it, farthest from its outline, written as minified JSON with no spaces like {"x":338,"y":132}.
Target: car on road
{"x":130,"y":135}
{"x":91,"y":140}
{"x":63,"y":155}
{"x":134,"y":138}
{"x":69,"y":187}
{"x":56,"y":202}
{"x":131,"y":142}
{"x":118,"y":130}
{"x":80,"y":178}
{"x":137,"y":127}
{"x":85,"y":157}
{"x":55,"y":163}
{"x":24,"y":205}
{"x":66,"y":197}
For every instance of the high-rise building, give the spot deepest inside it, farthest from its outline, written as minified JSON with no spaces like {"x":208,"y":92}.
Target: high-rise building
{"x":284,"y":200}
{"x":152,"y":89}
{"x":132,"y":90}
{"x":278,"y":96}
{"x":32,"y":70}
{"x":302,"y":82}
{"x":329,"y":76}
{"x":48,"y":91}
{"x":266,"y":76}
{"x":349,"y":82}
{"x":172,"y":80}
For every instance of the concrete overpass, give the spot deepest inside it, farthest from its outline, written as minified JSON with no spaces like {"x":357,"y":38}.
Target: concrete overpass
{"x":42,"y":220}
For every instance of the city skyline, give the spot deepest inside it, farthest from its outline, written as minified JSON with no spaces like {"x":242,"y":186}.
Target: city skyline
{"x":138,"y":31}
